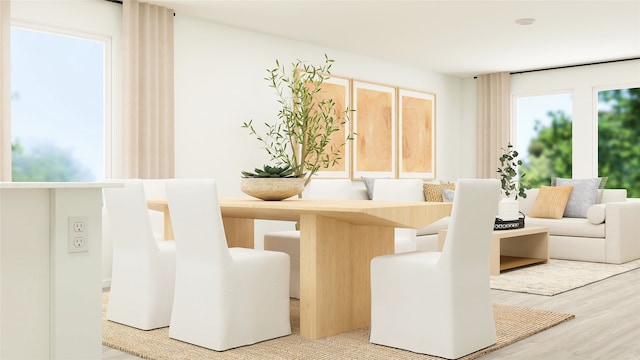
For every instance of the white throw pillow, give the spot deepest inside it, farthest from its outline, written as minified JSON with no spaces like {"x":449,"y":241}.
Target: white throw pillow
{"x":596,"y":214}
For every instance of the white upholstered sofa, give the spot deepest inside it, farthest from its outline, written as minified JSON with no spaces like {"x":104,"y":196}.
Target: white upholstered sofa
{"x":609,"y":234}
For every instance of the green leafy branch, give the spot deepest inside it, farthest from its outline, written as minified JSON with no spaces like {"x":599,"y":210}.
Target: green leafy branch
{"x":301,"y":138}
{"x":508,"y":173}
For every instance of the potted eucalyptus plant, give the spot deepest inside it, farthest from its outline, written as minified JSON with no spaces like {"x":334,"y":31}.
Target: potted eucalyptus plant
{"x":298,"y":142}
{"x":512,"y":185}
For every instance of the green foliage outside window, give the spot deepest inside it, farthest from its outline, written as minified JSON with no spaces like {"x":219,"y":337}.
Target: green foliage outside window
{"x":550,"y":151}
{"x":46,"y":163}
{"x":618,"y":135}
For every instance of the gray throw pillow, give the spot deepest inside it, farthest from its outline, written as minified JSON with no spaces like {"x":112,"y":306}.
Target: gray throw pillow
{"x":582,"y":197}
{"x":447,"y":195}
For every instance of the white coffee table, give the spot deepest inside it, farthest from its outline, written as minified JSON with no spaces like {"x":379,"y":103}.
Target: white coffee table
{"x":514,"y":248}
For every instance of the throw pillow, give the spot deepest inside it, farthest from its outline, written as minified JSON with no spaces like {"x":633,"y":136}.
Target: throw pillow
{"x":433,"y":192}
{"x":582,"y":197}
{"x":447,"y":195}
{"x":551,"y":202}
{"x":603,"y":181}
{"x":596,"y":214}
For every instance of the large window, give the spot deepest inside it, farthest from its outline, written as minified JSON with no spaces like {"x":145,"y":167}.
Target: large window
{"x":618,"y":135}
{"x":544,"y":131}
{"x":58,"y":106}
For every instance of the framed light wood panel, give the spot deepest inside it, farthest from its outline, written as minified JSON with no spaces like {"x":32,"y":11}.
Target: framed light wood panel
{"x":374,"y":126}
{"x":416,"y":134}
{"x":339,"y":90}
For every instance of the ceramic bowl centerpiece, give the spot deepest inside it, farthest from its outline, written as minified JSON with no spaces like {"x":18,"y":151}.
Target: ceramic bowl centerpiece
{"x":308,"y":135}
{"x":272,"y":183}
{"x":512,"y":184}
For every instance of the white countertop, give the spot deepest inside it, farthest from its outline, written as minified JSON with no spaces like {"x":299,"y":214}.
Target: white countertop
{"x":57,"y":185}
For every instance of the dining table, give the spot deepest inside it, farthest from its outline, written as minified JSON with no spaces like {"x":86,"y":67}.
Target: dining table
{"x":338,"y":239}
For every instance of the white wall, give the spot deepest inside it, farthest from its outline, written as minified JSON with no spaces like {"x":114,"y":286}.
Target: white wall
{"x":220,"y":84}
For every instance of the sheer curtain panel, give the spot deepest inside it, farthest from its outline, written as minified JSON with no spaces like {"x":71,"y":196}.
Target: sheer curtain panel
{"x":493,"y":121}
{"x":148,"y":102}
{"x":5,"y":91}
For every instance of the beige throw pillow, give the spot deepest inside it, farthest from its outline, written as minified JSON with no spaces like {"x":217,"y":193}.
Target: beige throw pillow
{"x":551,"y":202}
{"x":433,"y":192}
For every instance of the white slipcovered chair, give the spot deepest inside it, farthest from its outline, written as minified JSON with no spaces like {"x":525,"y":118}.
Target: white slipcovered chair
{"x":288,"y":241}
{"x":439,"y":303}
{"x":143,"y":267}
{"x":224,"y":297}
{"x":154,"y":189}
{"x":400,"y":190}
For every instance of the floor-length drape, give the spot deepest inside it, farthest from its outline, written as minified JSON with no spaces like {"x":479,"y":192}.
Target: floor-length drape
{"x":5,"y":91}
{"x":494,"y":104}
{"x":148,"y":119}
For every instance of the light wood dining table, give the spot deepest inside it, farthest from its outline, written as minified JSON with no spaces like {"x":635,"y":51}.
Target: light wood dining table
{"x":338,"y":239}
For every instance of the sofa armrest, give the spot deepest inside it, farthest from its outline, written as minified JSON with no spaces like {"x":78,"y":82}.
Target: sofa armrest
{"x":622,"y":231}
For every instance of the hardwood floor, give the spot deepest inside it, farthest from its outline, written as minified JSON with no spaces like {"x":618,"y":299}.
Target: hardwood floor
{"x":606,"y":326}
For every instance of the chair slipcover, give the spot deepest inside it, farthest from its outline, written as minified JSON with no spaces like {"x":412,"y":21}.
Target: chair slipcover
{"x":438,"y":303}
{"x":143,"y":268}
{"x":400,"y":190}
{"x":224,"y":297}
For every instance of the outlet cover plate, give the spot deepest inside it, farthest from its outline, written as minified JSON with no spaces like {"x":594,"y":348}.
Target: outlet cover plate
{"x":77,"y":234}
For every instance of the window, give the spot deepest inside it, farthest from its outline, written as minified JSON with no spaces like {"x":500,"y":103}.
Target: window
{"x":58,"y":106}
{"x":618,"y":134}
{"x":544,"y":130}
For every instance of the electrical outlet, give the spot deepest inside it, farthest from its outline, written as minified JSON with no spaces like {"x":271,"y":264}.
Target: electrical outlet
{"x":77,"y":234}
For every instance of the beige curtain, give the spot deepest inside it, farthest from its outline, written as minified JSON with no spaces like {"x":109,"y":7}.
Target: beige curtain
{"x":148,"y":89}
{"x":5,"y":91}
{"x":494,"y":99}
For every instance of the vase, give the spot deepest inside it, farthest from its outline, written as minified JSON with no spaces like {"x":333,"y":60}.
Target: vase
{"x":272,"y":189}
{"x":508,"y":209}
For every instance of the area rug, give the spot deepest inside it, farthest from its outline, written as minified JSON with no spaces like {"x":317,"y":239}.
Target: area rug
{"x":512,"y":324}
{"x":557,"y":276}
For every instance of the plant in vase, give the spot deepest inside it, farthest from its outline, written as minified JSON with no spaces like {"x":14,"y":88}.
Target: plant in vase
{"x":300,"y":140}
{"x":511,"y":183}
{"x":272,"y":182}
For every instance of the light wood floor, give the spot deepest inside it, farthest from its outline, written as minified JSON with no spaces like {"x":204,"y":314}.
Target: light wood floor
{"x":606,"y":326}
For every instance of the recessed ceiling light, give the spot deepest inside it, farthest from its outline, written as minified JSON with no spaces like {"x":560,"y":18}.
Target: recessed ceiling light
{"x":525,"y":21}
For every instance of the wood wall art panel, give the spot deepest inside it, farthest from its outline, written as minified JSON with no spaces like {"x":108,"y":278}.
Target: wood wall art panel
{"x":374,"y":125}
{"x":416,"y":151}
{"x":338,"y":89}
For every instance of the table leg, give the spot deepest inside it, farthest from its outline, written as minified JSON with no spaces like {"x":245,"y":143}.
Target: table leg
{"x":335,"y":287}
{"x":239,"y":232}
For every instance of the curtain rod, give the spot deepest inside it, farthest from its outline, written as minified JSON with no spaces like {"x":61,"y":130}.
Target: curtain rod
{"x":120,"y":2}
{"x":570,"y":66}
{"x":576,"y":65}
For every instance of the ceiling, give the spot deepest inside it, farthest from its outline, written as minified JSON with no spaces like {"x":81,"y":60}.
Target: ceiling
{"x":460,"y":38}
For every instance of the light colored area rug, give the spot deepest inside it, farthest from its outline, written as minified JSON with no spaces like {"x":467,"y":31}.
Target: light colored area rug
{"x":512,"y":324}
{"x":557,"y":276}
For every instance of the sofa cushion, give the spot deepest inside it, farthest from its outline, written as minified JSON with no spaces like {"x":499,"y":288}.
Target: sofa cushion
{"x":433,"y":192}
{"x":369,"y":183}
{"x":582,"y":197}
{"x":575,"y":227}
{"x":551,"y":202}
{"x":596,"y":214}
